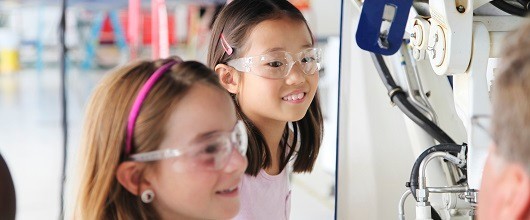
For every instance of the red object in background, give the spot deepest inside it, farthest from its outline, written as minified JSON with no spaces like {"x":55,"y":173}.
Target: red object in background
{"x":107,"y":32}
{"x":301,"y":4}
{"x":107,"y":35}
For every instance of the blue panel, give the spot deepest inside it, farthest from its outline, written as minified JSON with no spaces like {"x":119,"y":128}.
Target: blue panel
{"x":382,"y":25}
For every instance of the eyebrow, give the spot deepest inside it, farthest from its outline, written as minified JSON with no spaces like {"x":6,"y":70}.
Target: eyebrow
{"x":274,"y":49}
{"x":204,"y":136}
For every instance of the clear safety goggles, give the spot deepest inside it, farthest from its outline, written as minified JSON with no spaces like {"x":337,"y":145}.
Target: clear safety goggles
{"x":278,"y":64}
{"x":211,"y":153}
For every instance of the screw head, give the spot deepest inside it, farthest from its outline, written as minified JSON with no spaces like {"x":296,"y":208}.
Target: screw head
{"x":461,"y":9}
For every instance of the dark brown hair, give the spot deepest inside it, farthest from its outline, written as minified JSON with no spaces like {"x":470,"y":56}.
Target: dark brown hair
{"x":100,"y":195}
{"x":235,"y":22}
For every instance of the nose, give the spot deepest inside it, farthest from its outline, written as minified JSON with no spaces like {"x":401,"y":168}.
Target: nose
{"x":296,"y":75}
{"x":237,"y":163}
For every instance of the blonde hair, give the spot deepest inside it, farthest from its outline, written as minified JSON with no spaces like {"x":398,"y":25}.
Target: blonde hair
{"x":510,"y":94}
{"x":100,"y":196}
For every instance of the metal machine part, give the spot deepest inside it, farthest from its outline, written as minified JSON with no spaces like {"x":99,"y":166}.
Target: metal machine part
{"x":450,"y":36}
{"x":419,"y":37}
{"x":459,"y":43}
{"x":422,"y":8}
{"x":414,"y":85}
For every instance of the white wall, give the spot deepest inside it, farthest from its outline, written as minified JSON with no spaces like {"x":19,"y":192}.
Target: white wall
{"x":324,"y":17}
{"x":375,"y":156}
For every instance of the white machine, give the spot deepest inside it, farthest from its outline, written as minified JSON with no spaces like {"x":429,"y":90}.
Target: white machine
{"x":441,"y":60}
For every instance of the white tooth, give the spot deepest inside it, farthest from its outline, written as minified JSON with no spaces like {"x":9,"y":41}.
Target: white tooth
{"x":229,"y":190}
{"x":301,"y":95}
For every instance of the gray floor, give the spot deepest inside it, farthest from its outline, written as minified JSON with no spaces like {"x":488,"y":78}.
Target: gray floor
{"x":31,"y":141}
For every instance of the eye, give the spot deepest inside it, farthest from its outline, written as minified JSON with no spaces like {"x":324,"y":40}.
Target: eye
{"x":211,"y":149}
{"x":275,"y":64}
{"x":308,"y":59}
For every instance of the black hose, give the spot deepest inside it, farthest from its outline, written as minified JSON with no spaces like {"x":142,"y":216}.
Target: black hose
{"x":62,"y":40}
{"x":508,"y":8}
{"x":525,"y":4}
{"x":414,"y":174}
{"x":398,"y":96}
{"x":435,"y":215}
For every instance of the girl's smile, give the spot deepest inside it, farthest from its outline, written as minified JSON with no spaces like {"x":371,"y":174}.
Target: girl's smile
{"x":295,"y":97}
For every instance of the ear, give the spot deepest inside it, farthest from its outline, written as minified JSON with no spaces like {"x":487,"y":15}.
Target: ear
{"x":228,"y":77}
{"x":516,"y":192}
{"x":129,"y":175}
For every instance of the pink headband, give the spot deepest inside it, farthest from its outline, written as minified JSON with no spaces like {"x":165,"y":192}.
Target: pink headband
{"x":144,"y":91}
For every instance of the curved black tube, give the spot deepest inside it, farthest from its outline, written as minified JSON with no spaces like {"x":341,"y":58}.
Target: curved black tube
{"x":508,"y":8}
{"x":525,"y":4}
{"x":414,"y":174}
{"x":398,"y":96}
{"x":434,"y":214}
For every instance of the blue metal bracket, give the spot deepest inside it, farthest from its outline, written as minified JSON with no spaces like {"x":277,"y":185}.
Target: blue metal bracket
{"x":382,"y":25}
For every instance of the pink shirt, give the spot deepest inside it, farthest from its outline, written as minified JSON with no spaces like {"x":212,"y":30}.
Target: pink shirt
{"x":265,"y":196}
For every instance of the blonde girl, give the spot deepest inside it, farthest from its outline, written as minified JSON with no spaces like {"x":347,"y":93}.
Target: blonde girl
{"x":161,"y":141}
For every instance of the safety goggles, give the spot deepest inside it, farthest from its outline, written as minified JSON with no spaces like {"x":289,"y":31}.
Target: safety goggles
{"x":278,"y":64}
{"x":211,"y":153}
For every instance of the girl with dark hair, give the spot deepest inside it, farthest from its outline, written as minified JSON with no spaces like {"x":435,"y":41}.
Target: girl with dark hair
{"x":264,"y":54}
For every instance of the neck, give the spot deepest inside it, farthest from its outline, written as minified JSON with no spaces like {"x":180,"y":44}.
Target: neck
{"x":272,"y":131}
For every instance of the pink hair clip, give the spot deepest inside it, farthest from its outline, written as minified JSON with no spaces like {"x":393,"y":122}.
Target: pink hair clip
{"x":228,"y":49}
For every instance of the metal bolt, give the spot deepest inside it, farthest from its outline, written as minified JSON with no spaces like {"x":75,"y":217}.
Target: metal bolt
{"x":413,"y":35}
{"x":461,"y":9}
{"x":472,"y":212}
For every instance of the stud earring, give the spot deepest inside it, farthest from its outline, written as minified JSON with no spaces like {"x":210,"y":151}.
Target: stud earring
{"x":148,"y":196}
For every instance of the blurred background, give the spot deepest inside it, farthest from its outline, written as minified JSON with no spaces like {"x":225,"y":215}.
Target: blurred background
{"x":97,"y":39}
